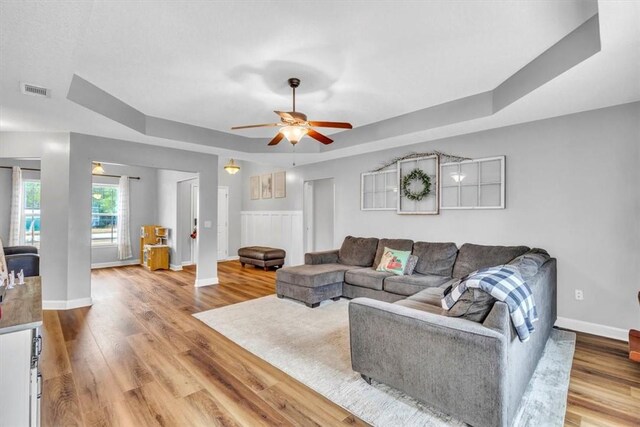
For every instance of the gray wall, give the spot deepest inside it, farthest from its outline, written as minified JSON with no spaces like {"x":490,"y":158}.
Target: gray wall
{"x":234,"y":183}
{"x":571,"y":188}
{"x":66,"y":209}
{"x":183,"y":228}
{"x":323,"y":214}
{"x":6,"y":190}
{"x":143,"y":207}
{"x":168,"y":209}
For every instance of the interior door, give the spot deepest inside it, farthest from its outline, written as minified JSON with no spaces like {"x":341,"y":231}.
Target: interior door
{"x":223,"y":223}
{"x":195,"y":203}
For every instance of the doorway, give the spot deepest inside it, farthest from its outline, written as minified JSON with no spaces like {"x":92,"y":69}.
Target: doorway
{"x":319,"y":212}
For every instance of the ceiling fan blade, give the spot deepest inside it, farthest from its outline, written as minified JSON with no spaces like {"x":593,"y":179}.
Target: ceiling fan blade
{"x":342,"y":125}
{"x":319,"y":137}
{"x":276,"y":139}
{"x":284,"y":115}
{"x":256,"y":126}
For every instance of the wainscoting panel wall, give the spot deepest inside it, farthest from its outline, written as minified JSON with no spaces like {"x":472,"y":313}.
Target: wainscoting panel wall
{"x":278,"y":229}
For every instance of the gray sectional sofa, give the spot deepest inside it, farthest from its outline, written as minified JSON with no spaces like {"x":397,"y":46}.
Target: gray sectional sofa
{"x":468,"y":364}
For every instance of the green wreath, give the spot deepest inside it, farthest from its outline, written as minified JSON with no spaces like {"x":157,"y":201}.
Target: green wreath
{"x":416,"y":174}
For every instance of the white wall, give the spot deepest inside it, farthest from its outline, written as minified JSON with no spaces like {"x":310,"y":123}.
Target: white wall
{"x":143,"y":207}
{"x":234,"y":183}
{"x":571,"y":188}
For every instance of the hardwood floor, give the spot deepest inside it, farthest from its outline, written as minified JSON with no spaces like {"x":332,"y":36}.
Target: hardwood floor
{"x":137,"y":357}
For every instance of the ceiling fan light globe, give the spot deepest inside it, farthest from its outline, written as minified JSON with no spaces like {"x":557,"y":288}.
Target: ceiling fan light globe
{"x":294,"y":133}
{"x":232,"y":168}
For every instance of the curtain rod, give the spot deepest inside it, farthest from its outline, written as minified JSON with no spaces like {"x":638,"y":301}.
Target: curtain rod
{"x":94,"y":174}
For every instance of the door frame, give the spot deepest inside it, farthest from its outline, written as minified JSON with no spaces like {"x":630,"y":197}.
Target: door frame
{"x":307,"y":216}
{"x":195,"y":206}
{"x":226,"y":229}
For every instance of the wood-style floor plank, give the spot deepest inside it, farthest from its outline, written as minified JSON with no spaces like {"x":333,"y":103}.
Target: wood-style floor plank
{"x":139,"y":357}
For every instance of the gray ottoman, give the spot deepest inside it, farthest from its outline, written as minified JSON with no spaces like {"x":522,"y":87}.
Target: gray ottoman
{"x":311,"y":284}
{"x":262,"y":256}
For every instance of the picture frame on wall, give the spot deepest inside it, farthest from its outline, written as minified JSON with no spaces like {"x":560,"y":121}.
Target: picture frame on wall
{"x":425,"y":166}
{"x":280,"y":184}
{"x":266,"y":185}
{"x":254,"y":184}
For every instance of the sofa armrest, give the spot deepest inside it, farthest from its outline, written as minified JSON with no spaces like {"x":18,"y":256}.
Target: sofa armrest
{"x":324,"y":257}
{"x":30,"y":263}
{"x":432,"y":358}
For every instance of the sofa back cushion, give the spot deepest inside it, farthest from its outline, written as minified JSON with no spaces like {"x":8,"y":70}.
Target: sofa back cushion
{"x":397,"y":244}
{"x":358,"y":251}
{"x":435,"y":258}
{"x":473,"y":257}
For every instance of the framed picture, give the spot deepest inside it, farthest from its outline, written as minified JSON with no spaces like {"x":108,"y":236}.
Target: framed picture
{"x":473,"y":184}
{"x":266,"y":184}
{"x":280,"y":185}
{"x":418,"y":186}
{"x":254,"y":183}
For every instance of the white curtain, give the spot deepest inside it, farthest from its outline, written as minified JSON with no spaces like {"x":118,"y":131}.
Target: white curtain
{"x":16,"y":231}
{"x":123,"y":232}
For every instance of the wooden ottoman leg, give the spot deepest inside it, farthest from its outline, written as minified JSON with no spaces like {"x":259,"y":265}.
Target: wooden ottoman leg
{"x":266,"y":268}
{"x":242,"y":264}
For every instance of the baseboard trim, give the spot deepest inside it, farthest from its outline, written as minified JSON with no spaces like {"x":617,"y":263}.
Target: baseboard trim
{"x":98,"y":265}
{"x":66,"y":304}
{"x":187,"y":263}
{"x":206,"y":282}
{"x":231,"y":258}
{"x":174,"y":267}
{"x":593,"y":328}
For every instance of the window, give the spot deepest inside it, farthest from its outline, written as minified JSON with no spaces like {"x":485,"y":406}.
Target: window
{"x":473,"y":184}
{"x":104,"y":214}
{"x":31,"y":213}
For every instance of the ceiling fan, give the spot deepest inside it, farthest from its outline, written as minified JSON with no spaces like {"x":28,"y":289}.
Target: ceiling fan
{"x":294,"y":125}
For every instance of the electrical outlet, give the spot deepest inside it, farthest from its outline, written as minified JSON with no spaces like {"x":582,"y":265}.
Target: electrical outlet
{"x":579,"y":295}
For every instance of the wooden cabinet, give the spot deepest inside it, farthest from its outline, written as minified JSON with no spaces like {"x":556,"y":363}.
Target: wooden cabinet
{"x":156,"y":257}
{"x":154,"y":252}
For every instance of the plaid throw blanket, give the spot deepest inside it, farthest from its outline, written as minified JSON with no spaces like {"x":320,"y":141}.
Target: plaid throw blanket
{"x":505,"y":284}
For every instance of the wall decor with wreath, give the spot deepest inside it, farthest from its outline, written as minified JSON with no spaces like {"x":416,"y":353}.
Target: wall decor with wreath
{"x":418,"y":185}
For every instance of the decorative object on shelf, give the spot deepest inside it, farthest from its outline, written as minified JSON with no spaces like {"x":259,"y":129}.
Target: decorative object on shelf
{"x":254,"y":184}
{"x":162,"y":234}
{"x":266,"y":184}
{"x":416,"y":175}
{"x":379,"y":191}
{"x":97,"y":168}
{"x":294,"y":125}
{"x":442,"y":157}
{"x":473,"y":184}
{"x":231,"y":167}
{"x":418,"y":181}
{"x":280,"y":184}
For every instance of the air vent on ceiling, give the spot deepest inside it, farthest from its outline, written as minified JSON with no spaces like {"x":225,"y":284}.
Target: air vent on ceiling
{"x":29,"y":89}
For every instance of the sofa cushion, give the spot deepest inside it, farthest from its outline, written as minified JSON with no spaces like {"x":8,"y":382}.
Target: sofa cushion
{"x":529,"y":263}
{"x":474,"y":304}
{"x":358,"y":251}
{"x":474,"y":257}
{"x":417,"y":305}
{"x":366,"y":277}
{"x":397,"y":244}
{"x":409,"y":285}
{"x":433,"y":296}
{"x":435,"y":258}
{"x":311,"y":276}
{"x":411,"y":265}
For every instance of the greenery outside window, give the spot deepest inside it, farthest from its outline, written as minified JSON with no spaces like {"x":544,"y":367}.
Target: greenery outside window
{"x":104,"y":214}
{"x":31,"y":212}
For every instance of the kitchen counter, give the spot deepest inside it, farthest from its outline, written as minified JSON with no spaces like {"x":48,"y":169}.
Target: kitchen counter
{"x":22,"y":307}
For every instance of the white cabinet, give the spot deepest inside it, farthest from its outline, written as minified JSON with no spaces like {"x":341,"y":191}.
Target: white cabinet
{"x":19,"y":383}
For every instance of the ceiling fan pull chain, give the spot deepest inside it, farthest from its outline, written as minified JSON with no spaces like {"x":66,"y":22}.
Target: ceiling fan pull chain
{"x":294,"y":155}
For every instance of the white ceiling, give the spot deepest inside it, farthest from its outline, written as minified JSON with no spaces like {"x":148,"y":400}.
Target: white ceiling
{"x":219,"y":64}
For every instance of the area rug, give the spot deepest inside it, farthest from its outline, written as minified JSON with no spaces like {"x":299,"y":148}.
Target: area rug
{"x":312,"y":345}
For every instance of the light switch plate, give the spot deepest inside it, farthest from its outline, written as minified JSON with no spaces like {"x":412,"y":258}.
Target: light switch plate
{"x":207,"y":224}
